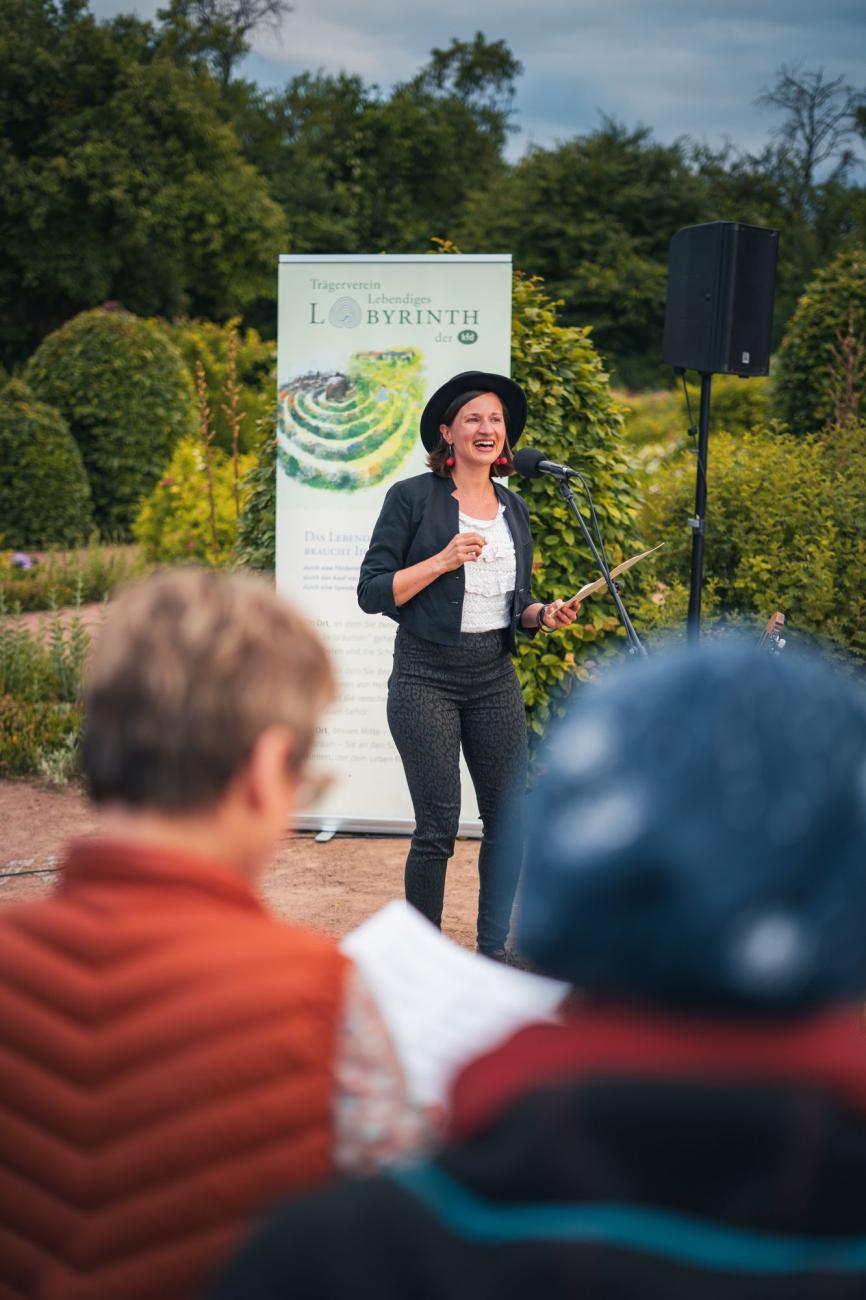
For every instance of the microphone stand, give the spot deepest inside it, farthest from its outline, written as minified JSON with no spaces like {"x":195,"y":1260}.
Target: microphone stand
{"x":634,"y":643}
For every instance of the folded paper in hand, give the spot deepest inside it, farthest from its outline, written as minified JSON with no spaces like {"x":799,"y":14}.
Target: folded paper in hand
{"x":601,"y":585}
{"x":442,"y":1005}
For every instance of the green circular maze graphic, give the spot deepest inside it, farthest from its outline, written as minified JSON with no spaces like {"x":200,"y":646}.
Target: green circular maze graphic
{"x":350,"y":431}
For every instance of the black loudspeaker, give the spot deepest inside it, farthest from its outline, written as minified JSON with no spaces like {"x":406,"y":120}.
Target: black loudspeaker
{"x":721,"y":283}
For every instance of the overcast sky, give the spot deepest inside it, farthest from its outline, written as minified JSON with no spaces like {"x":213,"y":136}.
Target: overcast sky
{"x":679,"y":66}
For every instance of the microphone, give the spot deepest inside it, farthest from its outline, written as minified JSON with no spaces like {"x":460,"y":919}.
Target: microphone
{"x":531,"y":464}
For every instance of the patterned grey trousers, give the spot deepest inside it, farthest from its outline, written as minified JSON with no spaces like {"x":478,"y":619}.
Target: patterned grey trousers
{"x":439,"y":698}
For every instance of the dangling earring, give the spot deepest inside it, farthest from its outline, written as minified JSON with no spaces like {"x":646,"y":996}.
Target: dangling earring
{"x":502,"y":460}
{"x":449,"y":459}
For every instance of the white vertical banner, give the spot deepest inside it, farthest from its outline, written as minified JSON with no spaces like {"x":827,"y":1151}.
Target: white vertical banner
{"x":362,"y":343}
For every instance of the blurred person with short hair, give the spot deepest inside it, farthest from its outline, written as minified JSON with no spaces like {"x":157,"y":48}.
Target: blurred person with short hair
{"x":695,"y":1122}
{"x":173,"y":1057}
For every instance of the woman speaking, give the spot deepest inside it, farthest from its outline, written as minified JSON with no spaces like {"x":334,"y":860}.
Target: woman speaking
{"x":450,"y":559}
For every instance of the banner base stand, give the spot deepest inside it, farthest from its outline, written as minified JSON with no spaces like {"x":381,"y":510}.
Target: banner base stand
{"x":327,"y":827}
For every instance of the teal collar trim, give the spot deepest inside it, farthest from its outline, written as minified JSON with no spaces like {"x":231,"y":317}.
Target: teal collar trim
{"x":679,"y":1237}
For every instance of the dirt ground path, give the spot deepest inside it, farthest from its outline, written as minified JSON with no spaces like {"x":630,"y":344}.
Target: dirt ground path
{"x":332,"y":886}
{"x":90,"y":615}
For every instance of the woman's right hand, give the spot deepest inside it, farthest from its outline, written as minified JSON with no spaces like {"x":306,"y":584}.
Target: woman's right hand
{"x":463,"y":548}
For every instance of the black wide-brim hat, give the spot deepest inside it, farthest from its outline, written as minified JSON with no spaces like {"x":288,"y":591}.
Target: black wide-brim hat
{"x":510,"y":394}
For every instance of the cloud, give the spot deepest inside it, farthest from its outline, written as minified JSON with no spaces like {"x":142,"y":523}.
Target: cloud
{"x":679,"y":66}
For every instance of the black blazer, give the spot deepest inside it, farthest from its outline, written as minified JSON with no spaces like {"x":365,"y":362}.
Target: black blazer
{"x":418,"y":519}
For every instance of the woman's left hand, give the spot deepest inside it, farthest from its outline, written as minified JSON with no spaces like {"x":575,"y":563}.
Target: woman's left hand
{"x":558,"y":614}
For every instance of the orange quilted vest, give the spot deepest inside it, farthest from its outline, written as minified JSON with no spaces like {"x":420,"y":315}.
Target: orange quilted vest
{"x":166,"y":1054}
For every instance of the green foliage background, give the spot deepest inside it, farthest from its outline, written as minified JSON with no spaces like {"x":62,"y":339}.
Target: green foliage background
{"x":208,"y":342}
{"x":771,"y":530}
{"x":257,"y":527}
{"x":32,"y":732}
{"x":122,"y":177}
{"x":41,"y":672}
{"x":654,"y":417}
{"x":811,"y":375}
{"x":174,"y":522}
{"x":127,"y":397}
{"x":44,"y":493}
{"x":786,"y":529}
{"x":574,"y":418}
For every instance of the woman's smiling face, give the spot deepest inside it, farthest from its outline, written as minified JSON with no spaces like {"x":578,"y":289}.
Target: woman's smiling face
{"x":477,"y":432}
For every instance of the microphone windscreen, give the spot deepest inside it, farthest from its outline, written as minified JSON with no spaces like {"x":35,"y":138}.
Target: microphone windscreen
{"x":526,"y":462}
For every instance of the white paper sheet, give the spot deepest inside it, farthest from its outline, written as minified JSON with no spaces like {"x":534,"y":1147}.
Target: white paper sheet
{"x":600,"y":584}
{"x":442,"y":1005}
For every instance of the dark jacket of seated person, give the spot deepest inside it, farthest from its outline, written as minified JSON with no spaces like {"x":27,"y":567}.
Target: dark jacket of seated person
{"x":695,"y":1124}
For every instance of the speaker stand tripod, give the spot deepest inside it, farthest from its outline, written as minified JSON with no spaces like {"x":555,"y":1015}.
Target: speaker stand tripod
{"x":698,"y":520}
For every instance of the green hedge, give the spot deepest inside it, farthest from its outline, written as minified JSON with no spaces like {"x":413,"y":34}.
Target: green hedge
{"x":44,"y":493}
{"x":573,"y":418}
{"x":257,"y":528}
{"x":786,"y":529}
{"x":127,"y":397}
{"x":821,"y":376}
{"x":662,"y":416}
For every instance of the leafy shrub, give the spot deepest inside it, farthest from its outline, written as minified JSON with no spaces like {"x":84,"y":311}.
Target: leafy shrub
{"x":33,"y":733}
{"x":661,"y":417}
{"x":653,"y":417}
{"x":175,"y":522}
{"x":574,"y":418}
{"x":41,"y":672}
{"x":42,"y":664}
{"x":821,"y":376}
{"x":126,"y":394}
{"x":67,"y":577}
{"x":257,"y":527}
{"x":736,"y":404}
{"x":845,"y":458}
{"x":44,"y":493}
{"x":786,"y":529}
{"x":255,"y":373}
{"x":58,"y":765}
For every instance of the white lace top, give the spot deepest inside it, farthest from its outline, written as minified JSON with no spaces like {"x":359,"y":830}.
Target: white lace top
{"x":490,"y":579}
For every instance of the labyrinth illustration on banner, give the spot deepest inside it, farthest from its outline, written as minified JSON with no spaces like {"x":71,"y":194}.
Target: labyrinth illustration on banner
{"x":349,"y":431}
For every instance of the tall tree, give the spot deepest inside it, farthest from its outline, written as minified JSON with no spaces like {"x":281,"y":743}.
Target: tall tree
{"x":356,"y":170}
{"x":307,"y":140}
{"x":219,"y":30}
{"x":479,"y":74}
{"x":820,"y":119}
{"x":119,"y":178}
{"x":593,"y":216}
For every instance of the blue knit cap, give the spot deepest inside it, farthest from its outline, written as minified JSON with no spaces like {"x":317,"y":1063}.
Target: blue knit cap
{"x":698,"y":838}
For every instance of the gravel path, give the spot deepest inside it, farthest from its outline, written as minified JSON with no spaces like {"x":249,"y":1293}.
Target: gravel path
{"x":332,"y":886}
